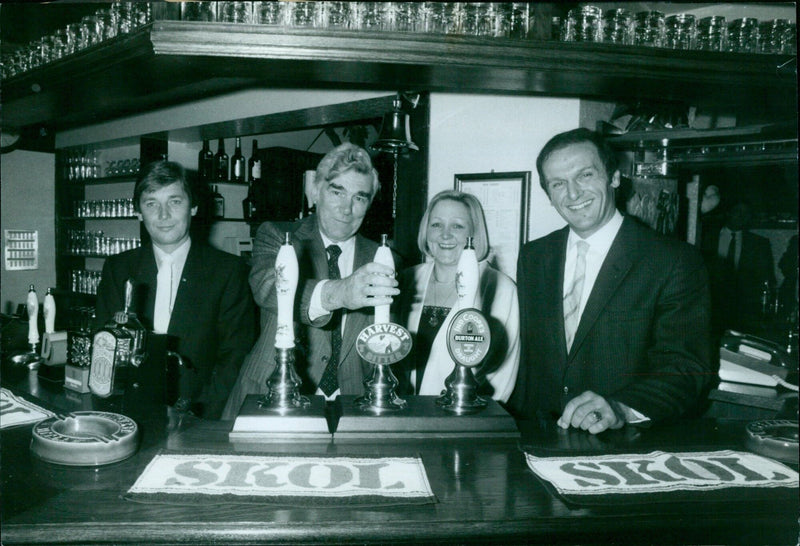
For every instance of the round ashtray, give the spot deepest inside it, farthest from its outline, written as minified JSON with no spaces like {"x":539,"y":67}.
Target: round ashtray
{"x":85,"y":438}
{"x":774,"y":438}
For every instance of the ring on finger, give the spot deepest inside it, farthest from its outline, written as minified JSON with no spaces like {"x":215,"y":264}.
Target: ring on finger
{"x":596,"y":416}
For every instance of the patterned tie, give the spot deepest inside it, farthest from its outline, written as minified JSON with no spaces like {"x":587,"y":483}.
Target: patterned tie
{"x":572,"y":299}
{"x":163,"y":308}
{"x":330,"y":382}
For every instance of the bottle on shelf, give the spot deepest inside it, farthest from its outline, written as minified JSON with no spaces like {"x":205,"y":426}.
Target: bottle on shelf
{"x":238,"y":164}
{"x":254,"y":179}
{"x":249,"y":209}
{"x":218,"y":201}
{"x":221,"y":162}
{"x":205,"y":163}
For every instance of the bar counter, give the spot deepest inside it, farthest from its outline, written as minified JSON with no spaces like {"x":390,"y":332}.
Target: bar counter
{"x":485,"y":491}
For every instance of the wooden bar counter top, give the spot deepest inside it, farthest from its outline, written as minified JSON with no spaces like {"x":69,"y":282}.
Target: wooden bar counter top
{"x":485,"y":491}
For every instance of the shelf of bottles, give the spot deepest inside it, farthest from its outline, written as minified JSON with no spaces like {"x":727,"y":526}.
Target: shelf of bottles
{"x":85,"y":166}
{"x":84,"y":281}
{"x":103,"y":209}
{"x":94,"y":244}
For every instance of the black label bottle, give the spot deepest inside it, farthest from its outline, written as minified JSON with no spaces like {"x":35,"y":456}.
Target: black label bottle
{"x":238,"y":164}
{"x":221,"y":162}
{"x":218,"y":210}
{"x":205,"y":163}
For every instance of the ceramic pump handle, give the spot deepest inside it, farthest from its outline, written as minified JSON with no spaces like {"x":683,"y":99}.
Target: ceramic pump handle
{"x":286,"y":277}
{"x":467,"y":276}
{"x":33,"y":316}
{"x":383,"y":256}
{"x":49,"y":312}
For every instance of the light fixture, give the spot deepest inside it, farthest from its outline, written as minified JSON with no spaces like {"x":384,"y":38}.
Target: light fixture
{"x":395,"y":137}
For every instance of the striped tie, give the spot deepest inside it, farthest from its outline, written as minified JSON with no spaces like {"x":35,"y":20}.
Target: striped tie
{"x":572,"y":299}
{"x":330,"y":381}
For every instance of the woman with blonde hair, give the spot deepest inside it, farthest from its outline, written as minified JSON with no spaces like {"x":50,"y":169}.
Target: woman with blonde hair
{"x":428,"y":296}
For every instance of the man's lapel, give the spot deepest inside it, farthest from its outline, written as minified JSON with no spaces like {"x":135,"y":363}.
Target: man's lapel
{"x":190,"y":288}
{"x":145,"y":286}
{"x":618,"y":262}
{"x":553,"y":272}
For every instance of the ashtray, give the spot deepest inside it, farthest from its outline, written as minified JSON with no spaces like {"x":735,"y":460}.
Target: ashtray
{"x":85,"y":438}
{"x":774,"y":438}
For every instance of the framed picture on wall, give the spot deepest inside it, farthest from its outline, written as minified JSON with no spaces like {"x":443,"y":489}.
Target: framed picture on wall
{"x":504,"y":197}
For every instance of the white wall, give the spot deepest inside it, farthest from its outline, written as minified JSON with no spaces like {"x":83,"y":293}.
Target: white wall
{"x":27,"y":201}
{"x":485,"y":133}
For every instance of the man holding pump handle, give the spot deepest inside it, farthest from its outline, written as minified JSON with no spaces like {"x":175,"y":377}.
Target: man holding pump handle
{"x":615,"y":318}
{"x":338,"y":289}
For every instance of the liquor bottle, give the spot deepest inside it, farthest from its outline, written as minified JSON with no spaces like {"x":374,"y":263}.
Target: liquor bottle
{"x":221,"y":162}
{"x":49,"y":312}
{"x":205,"y":163}
{"x":383,"y":256}
{"x":218,"y":210}
{"x":254,"y":191}
{"x":467,"y":276}
{"x":117,"y":349}
{"x":238,"y":164}
{"x":249,"y":208}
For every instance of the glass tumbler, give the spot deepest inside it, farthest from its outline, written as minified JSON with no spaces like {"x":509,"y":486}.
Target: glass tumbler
{"x":648,"y":29}
{"x":335,"y":15}
{"x":268,"y":13}
{"x":368,"y":15}
{"x":743,"y":35}
{"x":584,"y":25}
{"x":408,"y":16}
{"x":771,"y":35}
{"x":234,"y":12}
{"x":680,"y":31}
{"x":712,"y":34}
{"x":618,"y":27}
{"x":304,"y":14}
{"x":201,"y":11}
{"x":516,"y":21}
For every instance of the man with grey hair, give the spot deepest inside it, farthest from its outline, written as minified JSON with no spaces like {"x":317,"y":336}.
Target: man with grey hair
{"x":338,"y":287}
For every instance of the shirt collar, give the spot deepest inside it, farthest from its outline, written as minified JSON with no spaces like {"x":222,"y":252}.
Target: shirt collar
{"x":178,"y":255}
{"x":600,"y":240}
{"x":346,"y":246}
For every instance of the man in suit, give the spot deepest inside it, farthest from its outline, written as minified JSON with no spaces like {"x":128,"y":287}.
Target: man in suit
{"x":615,"y":317}
{"x":339,"y":283}
{"x":741,"y":267}
{"x":195,"y":294}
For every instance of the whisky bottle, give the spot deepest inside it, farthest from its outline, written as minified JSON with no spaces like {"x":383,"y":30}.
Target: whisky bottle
{"x":205,"y":163}
{"x":221,"y":162}
{"x":218,"y":201}
{"x":238,"y":164}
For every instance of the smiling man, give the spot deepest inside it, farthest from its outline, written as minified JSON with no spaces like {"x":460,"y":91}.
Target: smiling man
{"x":183,"y":288}
{"x":614,"y":317}
{"x":338,"y":288}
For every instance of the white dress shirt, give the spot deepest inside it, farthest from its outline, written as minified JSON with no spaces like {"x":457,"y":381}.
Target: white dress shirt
{"x":161,"y":315}
{"x":599,"y":244}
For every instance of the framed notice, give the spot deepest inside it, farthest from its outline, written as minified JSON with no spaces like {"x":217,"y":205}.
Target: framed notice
{"x":504,"y":197}
{"x":21,"y":249}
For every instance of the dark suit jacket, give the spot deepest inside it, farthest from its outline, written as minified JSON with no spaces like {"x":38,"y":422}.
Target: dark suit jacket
{"x":643,"y":337}
{"x":313,"y":339}
{"x":736,"y":294}
{"x":213,"y":320}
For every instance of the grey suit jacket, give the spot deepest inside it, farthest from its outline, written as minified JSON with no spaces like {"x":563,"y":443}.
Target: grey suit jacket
{"x":643,"y":338}
{"x":313,"y":339}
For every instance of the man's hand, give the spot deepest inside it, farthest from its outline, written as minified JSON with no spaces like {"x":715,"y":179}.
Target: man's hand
{"x":591,"y":412}
{"x":371,"y":284}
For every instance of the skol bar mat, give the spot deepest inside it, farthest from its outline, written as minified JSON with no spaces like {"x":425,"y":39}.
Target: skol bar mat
{"x":305,"y":481}
{"x":18,"y":411}
{"x":662,"y":477}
